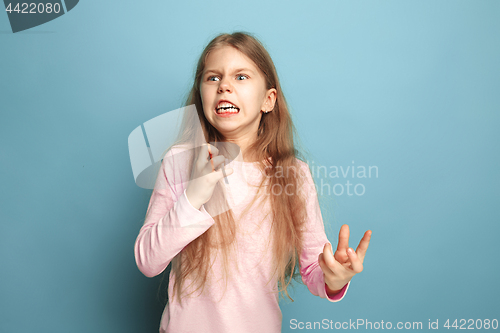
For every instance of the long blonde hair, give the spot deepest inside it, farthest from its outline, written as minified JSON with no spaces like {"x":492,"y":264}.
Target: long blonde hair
{"x":275,"y":150}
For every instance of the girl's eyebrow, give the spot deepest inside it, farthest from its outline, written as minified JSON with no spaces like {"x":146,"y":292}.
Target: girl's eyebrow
{"x":235,"y":71}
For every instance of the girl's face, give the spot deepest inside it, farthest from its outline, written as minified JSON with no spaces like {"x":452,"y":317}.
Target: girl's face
{"x":231,"y":78}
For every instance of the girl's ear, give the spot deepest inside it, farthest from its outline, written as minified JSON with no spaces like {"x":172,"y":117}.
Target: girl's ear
{"x":270,"y":100}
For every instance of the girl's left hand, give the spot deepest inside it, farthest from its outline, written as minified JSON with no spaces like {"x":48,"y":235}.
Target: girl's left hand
{"x":339,"y":269}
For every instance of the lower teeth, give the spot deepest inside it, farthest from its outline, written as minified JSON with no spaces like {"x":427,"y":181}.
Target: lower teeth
{"x":222,"y":112}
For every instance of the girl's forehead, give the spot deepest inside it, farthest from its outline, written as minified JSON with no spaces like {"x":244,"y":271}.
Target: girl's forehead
{"x":227,"y":57}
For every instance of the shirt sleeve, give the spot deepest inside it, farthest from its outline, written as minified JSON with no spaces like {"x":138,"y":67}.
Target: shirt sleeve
{"x":171,"y":222}
{"x":314,"y":241}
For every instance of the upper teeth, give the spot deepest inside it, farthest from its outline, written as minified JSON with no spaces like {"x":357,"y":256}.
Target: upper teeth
{"x":226,"y":105}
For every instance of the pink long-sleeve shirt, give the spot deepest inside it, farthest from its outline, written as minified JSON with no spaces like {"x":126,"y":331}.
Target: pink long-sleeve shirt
{"x":250,"y":303}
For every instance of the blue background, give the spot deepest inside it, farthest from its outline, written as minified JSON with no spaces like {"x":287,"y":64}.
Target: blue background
{"x":411,"y":87}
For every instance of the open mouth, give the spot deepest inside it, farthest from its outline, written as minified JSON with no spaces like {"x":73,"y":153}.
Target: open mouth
{"x":226,"y":108}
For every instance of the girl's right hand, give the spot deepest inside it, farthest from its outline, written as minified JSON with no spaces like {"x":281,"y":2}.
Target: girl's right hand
{"x":203,"y":179}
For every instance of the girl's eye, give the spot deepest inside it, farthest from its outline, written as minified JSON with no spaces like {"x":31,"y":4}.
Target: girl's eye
{"x":216,"y":78}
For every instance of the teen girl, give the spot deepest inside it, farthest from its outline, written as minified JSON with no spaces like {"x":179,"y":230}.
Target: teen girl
{"x":235,"y":244}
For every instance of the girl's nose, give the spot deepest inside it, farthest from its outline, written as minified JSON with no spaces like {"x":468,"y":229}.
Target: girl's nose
{"x":225,"y":86}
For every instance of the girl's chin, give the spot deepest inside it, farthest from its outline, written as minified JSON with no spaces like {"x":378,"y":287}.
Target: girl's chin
{"x":226,"y":128}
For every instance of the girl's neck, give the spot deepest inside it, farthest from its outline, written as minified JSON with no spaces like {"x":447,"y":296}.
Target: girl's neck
{"x":243,"y":144}
{"x":248,"y":158}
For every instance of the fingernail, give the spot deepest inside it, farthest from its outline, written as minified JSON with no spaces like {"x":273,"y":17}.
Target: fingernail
{"x":350,"y":250}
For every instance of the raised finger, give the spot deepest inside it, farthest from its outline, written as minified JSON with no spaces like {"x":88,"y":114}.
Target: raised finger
{"x":356,"y":264}
{"x":213,"y":149}
{"x":204,"y":165}
{"x":210,"y":157}
{"x":206,"y":151}
{"x":343,"y":238}
{"x":363,"y":245}
{"x":203,"y":154}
